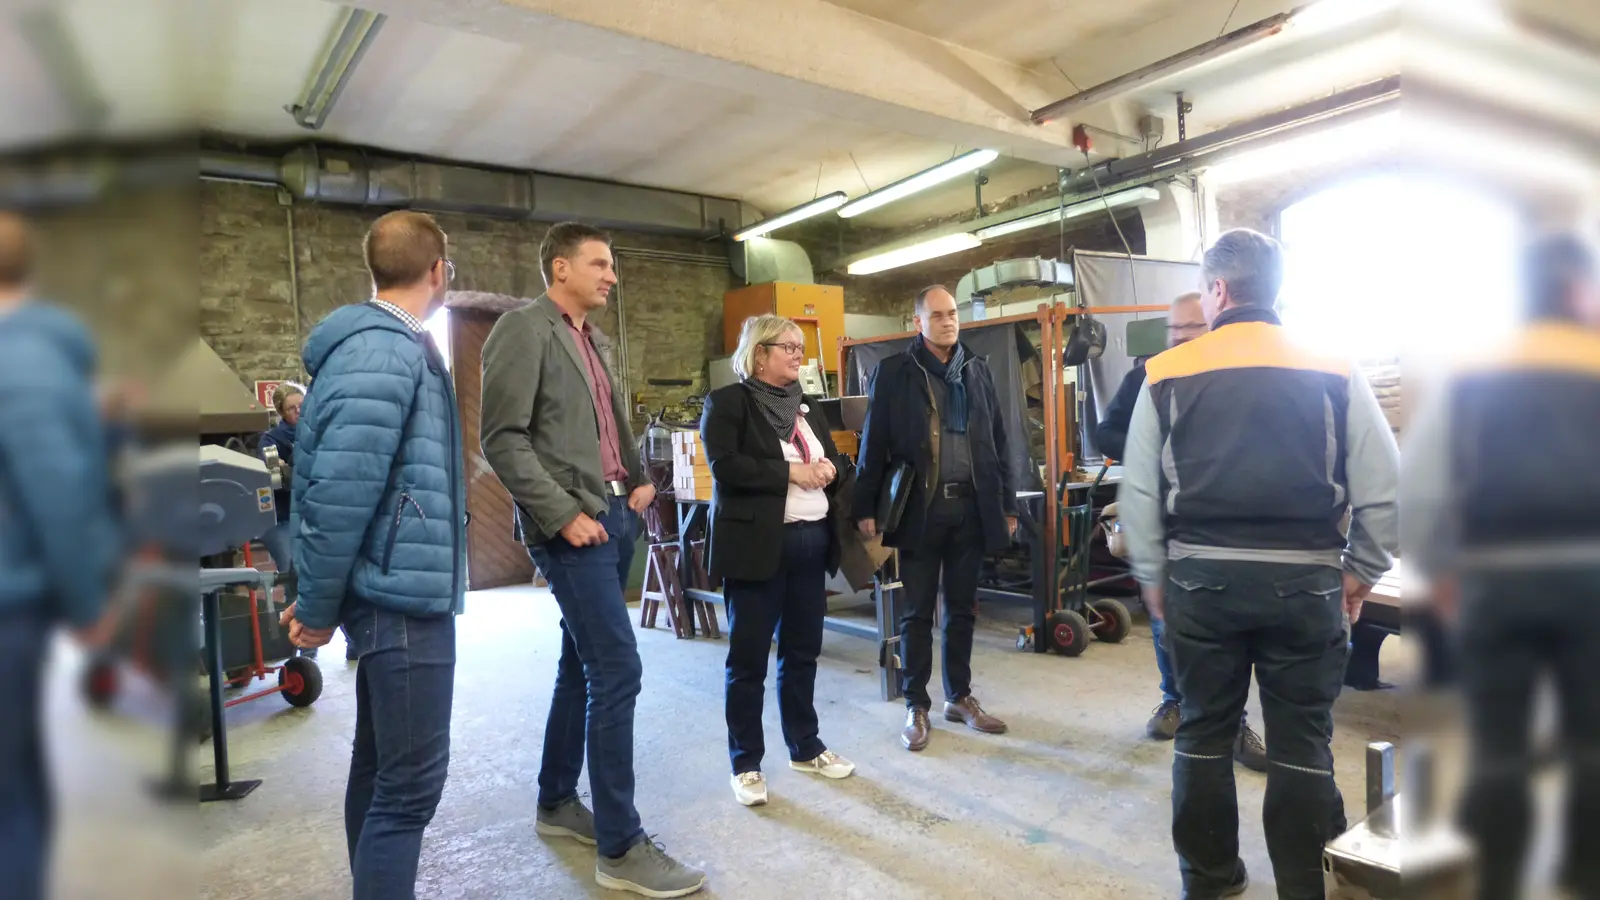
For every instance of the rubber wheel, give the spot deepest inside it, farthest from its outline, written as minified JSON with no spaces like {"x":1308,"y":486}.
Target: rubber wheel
{"x":101,"y":682}
{"x":1069,"y":633}
{"x":1112,"y":622}
{"x":301,"y":681}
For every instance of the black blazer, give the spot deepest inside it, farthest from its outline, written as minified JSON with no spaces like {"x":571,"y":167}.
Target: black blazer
{"x":750,"y":485}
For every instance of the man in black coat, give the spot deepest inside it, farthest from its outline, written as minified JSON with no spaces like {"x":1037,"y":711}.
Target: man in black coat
{"x":935,"y":407}
{"x":1185,"y":322}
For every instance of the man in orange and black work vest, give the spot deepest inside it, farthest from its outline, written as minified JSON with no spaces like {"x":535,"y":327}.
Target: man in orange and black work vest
{"x":1502,"y":516}
{"x":1244,"y":455}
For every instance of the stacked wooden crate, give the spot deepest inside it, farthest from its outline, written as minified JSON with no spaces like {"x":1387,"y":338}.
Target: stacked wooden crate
{"x":691,"y":472}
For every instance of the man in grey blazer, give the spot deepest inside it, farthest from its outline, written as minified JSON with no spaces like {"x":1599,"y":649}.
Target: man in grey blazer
{"x":555,"y":431}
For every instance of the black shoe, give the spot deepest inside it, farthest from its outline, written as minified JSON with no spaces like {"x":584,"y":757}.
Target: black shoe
{"x":1249,"y":750}
{"x":350,"y":654}
{"x":1240,"y":883}
{"x":1163,"y":723}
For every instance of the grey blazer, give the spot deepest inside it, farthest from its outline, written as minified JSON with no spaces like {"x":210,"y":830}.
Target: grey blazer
{"x":539,"y":430}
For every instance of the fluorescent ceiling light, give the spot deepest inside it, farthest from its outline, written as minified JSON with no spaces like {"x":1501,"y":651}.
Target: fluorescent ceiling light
{"x":1379,"y":133}
{"x":1129,"y":197}
{"x":352,"y":34}
{"x":927,"y":178}
{"x":939,"y":246}
{"x":1333,"y":13}
{"x":789,"y":217}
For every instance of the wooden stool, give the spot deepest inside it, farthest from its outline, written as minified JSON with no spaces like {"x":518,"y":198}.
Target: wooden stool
{"x":661,"y":584}
{"x":707,"y":612}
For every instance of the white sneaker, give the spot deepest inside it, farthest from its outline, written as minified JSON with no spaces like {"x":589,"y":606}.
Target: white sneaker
{"x":750,"y":788}
{"x":828,"y":765}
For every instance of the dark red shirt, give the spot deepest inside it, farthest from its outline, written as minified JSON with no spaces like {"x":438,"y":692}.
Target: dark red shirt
{"x":604,"y":413}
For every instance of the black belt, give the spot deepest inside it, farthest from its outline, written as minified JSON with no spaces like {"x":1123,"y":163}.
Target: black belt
{"x":953,"y":490}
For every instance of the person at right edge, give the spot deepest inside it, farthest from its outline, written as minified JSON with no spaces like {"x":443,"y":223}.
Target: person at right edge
{"x":1185,"y":322}
{"x":1519,"y":570}
{"x":935,"y":407}
{"x":1245,"y":453}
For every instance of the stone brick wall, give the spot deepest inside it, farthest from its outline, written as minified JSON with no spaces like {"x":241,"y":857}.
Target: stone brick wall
{"x":673,"y":310}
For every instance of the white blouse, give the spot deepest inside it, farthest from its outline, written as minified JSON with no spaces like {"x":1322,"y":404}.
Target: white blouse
{"x":804,"y":505}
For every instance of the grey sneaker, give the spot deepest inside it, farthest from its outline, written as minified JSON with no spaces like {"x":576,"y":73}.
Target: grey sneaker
{"x":647,"y":870}
{"x":570,"y":819}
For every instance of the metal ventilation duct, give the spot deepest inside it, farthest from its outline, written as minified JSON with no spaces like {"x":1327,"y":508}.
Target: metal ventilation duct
{"x":760,"y":260}
{"x":352,"y":176}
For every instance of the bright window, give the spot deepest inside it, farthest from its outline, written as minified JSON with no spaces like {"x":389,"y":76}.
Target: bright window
{"x":438,"y":326}
{"x":1400,"y":264}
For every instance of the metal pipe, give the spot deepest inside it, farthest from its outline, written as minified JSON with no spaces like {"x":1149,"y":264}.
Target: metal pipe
{"x":622,"y":345}
{"x":294,"y":286}
{"x":688,"y":259}
{"x":1188,"y":59}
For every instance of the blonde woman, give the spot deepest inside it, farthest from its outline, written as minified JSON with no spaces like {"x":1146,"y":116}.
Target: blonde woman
{"x":774,"y":469}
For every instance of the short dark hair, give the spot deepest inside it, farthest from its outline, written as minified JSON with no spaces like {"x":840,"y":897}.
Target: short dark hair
{"x":16,"y":251}
{"x":401,"y":247}
{"x":1250,"y":263}
{"x":921,"y":303}
{"x":1552,"y":265}
{"x":562,"y":241}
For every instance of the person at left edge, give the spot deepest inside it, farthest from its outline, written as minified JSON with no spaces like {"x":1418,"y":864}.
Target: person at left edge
{"x":58,"y":539}
{"x":378,"y":511}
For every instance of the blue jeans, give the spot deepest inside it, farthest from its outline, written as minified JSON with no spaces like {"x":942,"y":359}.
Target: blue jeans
{"x":26,"y":814}
{"x":597,"y":679}
{"x":1169,"y":681}
{"x":405,"y":683}
{"x":794,"y":601}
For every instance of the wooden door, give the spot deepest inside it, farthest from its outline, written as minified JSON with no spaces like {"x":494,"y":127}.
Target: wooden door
{"x":495,"y":558}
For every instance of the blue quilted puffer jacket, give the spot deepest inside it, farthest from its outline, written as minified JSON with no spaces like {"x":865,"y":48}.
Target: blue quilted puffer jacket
{"x":379,"y":503}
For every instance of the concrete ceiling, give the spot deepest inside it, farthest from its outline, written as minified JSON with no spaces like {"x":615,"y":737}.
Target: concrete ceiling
{"x":767,"y":102}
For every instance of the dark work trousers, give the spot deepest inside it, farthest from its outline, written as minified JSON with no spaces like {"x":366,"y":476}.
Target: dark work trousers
{"x":405,"y":685}
{"x":953,"y":545}
{"x":26,"y":810}
{"x":794,"y":601}
{"x":1224,"y":618}
{"x":1518,"y":628}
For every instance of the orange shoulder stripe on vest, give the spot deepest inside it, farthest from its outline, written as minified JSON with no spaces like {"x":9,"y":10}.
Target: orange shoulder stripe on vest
{"x":1243,"y":345}
{"x":1549,"y":346}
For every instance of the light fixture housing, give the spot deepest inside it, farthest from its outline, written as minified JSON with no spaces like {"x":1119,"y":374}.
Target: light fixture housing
{"x":905,"y":187}
{"x":790,"y":216}
{"x":903,"y":256}
{"x":1130,"y":197}
{"x":352,"y":35}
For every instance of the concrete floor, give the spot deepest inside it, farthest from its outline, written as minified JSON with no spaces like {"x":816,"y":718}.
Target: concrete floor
{"x":1073,"y":802}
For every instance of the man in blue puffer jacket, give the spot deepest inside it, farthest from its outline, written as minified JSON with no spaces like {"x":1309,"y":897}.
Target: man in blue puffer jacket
{"x":58,"y":539}
{"x":378,"y":514}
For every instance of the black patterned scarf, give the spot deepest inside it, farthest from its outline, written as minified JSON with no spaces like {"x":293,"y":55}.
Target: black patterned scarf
{"x":781,"y":405}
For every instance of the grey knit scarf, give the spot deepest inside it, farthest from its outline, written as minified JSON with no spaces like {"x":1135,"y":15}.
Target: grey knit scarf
{"x":781,"y":405}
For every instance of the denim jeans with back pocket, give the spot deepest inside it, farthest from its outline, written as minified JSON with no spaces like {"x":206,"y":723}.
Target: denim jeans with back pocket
{"x":405,"y":684}
{"x":1287,"y":623}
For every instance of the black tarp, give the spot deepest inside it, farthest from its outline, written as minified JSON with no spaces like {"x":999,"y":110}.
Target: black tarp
{"x":1006,"y":347}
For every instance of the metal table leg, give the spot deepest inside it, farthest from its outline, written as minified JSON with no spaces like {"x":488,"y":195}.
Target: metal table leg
{"x":223,"y":788}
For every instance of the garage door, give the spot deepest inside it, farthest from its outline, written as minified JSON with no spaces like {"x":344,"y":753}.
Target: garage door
{"x":495,"y":558}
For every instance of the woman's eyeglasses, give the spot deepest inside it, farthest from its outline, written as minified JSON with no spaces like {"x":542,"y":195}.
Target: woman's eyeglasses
{"x":789,"y":348}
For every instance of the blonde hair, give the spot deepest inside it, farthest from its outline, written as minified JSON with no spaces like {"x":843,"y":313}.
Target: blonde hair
{"x":758,"y":330}
{"x":282,"y":393}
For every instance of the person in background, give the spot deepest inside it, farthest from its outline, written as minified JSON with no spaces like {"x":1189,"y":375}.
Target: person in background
{"x":1244,"y":455}
{"x":1518,"y":571}
{"x":59,"y":541}
{"x":279,"y":539}
{"x":1185,"y":322}
{"x":379,"y":518}
{"x":555,"y":431}
{"x":935,"y":407}
{"x":774,"y":468}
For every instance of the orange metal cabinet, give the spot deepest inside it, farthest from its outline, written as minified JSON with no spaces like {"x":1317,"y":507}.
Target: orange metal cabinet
{"x":818,"y":308}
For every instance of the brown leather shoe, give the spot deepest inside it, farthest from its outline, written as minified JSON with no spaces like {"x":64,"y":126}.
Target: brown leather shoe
{"x":967,"y":710}
{"x":915,"y":735}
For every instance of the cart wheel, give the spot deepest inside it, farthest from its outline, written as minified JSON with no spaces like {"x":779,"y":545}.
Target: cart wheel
{"x":1069,"y":633}
{"x":301,"y":680}
{"x":1111,"y":620}
{"x":101,"y":681}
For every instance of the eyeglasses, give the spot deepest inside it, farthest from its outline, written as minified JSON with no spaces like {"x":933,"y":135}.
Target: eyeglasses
{"x":790,"y":348}
{"x":449,"y":270}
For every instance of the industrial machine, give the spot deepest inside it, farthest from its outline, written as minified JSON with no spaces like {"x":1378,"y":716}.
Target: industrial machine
{"x":1367,"y":860}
